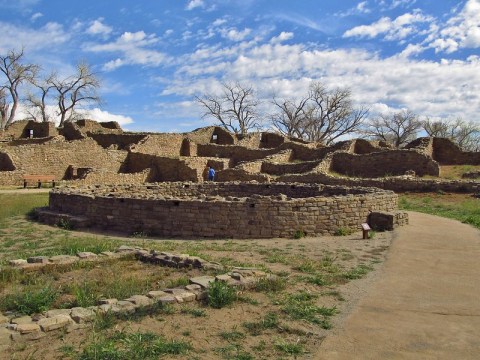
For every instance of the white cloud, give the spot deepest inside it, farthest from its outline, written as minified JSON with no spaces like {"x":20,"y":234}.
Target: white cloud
{"x":427,"y":88}
{"x":284,"y":36}
{"x":235,"y":35}
{"x":304,"y":21}
{"x":104,"y":116}
{"x":461,"y":31}
{"x":404,"y":3}
{"x":98,"y":28}
{"x":94,"y":114}
{"x":396,"y":29}
{"x":135,"y":50}
{"x":362,"y":8}
{"x":219,"y":22}
{"x":36,"y":16}
{"x":46,"y":37}
{"x":192,"y":4}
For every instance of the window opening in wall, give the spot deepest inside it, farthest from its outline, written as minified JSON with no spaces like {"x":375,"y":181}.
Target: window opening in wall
{"x":215,"y":138}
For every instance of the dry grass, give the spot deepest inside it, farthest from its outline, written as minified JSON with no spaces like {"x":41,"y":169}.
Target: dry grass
{"x":455,"y":172}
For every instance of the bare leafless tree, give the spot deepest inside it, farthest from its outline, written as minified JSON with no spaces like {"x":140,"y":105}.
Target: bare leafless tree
{"x":15,"y":73}
{"x":37,"y":103}
{"x":4,"y":109}
{"x":80,"y":88}
{"x":290,"y":119}
{"x":235,"y":109}
{"x":397,"y":129}
{"x":323,"y":115}
{"x":465,"y":134}
{"x":331,"y":114}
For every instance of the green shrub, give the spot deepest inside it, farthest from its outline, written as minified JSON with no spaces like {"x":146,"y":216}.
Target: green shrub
{"x":221,"y":294}
{"x":299,"y":234}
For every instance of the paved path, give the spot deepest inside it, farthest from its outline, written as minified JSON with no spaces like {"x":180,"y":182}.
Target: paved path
{"x":426,"y":302}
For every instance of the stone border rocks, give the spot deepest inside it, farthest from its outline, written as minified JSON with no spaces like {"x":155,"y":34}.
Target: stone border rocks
{"x":30,"y":328}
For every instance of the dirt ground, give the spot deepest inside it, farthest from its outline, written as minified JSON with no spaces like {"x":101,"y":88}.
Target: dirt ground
{"x":294,"y":260}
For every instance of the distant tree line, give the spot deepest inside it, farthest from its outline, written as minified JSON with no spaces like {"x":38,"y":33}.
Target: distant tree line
{"x":325,"y":115}
{"x":41,"y":90}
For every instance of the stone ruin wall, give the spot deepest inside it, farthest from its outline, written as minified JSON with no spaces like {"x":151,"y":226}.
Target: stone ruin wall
{"x":117,"y":141}
{"x":292,"y":168}
{"x":227,"y":210}
{"x":54,"y":158}
{"x":100,"y":176}
{"x":447,"y":153}
{"x":444,"y":151}
{"x":95,"y":126}
{"x":397,"y":184}
{"x":19,"y":129}
{"x":378,"y":164}
{"x":160,"y":145}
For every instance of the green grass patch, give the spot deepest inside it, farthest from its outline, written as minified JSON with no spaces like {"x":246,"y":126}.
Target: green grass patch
{"x":289,"y":348}
{"x":301,"y":306}
{"x":20,"y":204}
{"x":233,"y":335}
{"x":458,"y":207}
{"x":269,"y":321}
{"x":31,"y":301}
{"x":275,"y":284}
{"x":194,"y":312}
{"x":358,"y":272}
{"x":133,"y":346}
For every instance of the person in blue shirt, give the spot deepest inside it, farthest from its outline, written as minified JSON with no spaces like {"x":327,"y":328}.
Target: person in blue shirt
{"x":211,"y":174}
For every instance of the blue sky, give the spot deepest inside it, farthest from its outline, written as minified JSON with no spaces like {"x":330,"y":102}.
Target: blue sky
{"x":154,"y":56}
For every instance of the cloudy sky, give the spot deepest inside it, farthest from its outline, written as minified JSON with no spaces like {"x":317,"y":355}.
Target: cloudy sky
{"x":154,"y":56}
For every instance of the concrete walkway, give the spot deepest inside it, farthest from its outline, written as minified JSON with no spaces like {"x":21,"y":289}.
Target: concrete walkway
{"x":425,"y":303}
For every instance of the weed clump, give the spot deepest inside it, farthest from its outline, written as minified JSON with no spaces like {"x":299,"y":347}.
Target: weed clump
{"x":299,"y":234}
{"x":221,"y":294}
{"x":342,"y":231}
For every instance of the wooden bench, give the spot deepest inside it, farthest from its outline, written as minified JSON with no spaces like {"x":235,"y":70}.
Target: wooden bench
{"x":365,"y":228}
{"x":39,"y":179}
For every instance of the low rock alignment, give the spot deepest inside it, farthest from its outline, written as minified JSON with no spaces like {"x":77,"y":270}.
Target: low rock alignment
{"x":219,"y":210}
{"x":22,"y":328}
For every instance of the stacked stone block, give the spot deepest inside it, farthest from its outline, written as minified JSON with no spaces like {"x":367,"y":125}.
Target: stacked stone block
{"x":232,"y":210}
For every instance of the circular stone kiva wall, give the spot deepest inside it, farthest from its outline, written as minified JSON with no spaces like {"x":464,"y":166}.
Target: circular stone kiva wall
{"x":221,"y":210}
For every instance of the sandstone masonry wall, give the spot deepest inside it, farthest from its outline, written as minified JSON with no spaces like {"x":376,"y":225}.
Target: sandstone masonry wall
{"x":20,"y":129}
{"x":117,"y":141}
{"x":160,"y":144}
{"x":256,"y":216}
{"x":6,"y":163}
{"x":397,"y":184}
{"x":447,"y":153}
{"x":378,"y":164}
{"x":53,"y":158}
